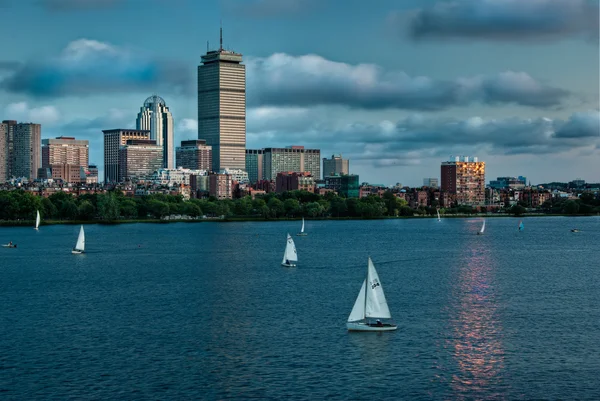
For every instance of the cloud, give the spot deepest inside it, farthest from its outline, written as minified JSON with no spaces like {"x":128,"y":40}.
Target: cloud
{"x":267,"y":8}
{"x":581,"y":125}
{"x":416,"y":137}
{"x":308,"y":80}
{"x":88,"y":67}
{"x":112,"y":119}
{"x":187,"y":125}
{"x":71,"y":5}
{"x":41,"y":115}
{"x":510,"y":20}
{"x":9,"y":65}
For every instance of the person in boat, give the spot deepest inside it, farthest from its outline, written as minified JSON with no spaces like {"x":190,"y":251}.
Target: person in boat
{"x":378,"y":322}
{"x":287,"y":262}
{"x":10,"y":243}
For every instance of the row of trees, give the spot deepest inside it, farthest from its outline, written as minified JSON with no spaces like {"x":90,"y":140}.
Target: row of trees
{"x":113,"y":205}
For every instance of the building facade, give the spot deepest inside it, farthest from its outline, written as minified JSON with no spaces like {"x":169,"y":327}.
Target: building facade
{"x":3,"y":152}
{"x":345,"y":185}
{"x":156,"y":117}
{"x":291,"y":159}
{"x":220,"y":186}
{"x":222,"y":107}
{"x":113,"y":140}
{"x":194,"y":154}
{"x":138,"y":159}
{"x":464,"y":177}
{"x":292,"y":181}
{"x":24,"y":150}
{"x":254,"y":164}
{"x":65,"y":157}
{"x":174,"y":177}
{"x":508,"y":183}
{"x":335,"y":166}
{"x":431,"y":182}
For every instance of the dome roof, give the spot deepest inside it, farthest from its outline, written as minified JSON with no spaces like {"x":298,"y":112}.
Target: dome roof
{"x":154,"y":100}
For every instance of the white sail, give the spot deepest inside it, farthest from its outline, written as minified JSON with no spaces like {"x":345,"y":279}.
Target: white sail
{"x":358,"y":311}
{"x":438,"y":213}
{"x":376,"y":304}
{"x":37,"y":220}
{"x":302,"y":229}
{"x":482,"y":227}
{"x":290,"y":251}
{"x":80,"y":246}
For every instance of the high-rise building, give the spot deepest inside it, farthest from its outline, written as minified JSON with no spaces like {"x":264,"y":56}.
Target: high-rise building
{"x":220,"y":186}
{"x":254,"y":164}
{"x":65,"y":156}
{"x":139,"y":158}
{"x":345,"y":185}
{"x":335,"y":166}
{"x":24,"y":148}
{"x":465,"y":178}
{"x":113,"y":140}
{"x":222,"y":107}
{"x":194,"y":154}
{"x":3,"y":152}
{"x":431,"y":182}
{"x":291,"y":159}
{"x":156,"y":117}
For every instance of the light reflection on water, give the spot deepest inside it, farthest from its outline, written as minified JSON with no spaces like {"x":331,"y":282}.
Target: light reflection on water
{"x":474,"y":319}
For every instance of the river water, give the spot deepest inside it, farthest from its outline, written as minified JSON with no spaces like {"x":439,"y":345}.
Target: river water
{"x":205,"y":311}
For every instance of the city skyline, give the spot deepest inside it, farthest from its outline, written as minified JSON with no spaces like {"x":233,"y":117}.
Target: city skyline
{"x":396,"y":90}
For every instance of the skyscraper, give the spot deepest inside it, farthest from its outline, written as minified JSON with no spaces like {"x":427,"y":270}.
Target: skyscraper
{"x":194,"y":154}
{"x":139,"y":158}
{"x":335,"y":166}
{"x":3,"y":152}
{"x":24,"y":150}
{"x":222,"y":107}
{"x":254,"y":164}
{"x":466,"y":178}
{"x":155,"y":116}
{"x":65,"y":156}
{"x":113,"y":140}
{"x":291,"y":159}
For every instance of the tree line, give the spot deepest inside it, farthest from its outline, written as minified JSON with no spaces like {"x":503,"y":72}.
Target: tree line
{"x":114,"y":205}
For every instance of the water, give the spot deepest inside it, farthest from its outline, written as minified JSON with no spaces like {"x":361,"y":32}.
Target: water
{"x":205,"y":311}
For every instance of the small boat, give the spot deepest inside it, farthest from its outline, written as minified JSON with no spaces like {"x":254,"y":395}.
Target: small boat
{"x":302,"y":233}
{"x":438,"y":213}
{"x":480,"y":232}
{"x":575,"y":230}
{"x":370,"y":306}
{"x":80,"y":245}
{"x":521,"y":226}
{"x":290,"y":257}
{"x":9,"y":245}
{"x":37,"y":220}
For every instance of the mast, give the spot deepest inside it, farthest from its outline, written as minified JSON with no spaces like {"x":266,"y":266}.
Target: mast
{"x":366,"y":291}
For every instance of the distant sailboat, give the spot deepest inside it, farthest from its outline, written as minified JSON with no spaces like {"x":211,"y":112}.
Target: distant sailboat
{"x":80,"y":245}
{"x":521,"y":226}
{"x":37,"y":220}
{"x":302,"y":233}
{"x":438,"y":213}
{"x":370,"y":305}
{"x":480,"y":232}
{"x":290,"y":257}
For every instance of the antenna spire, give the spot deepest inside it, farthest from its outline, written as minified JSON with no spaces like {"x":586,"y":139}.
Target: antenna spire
{"x":221,"y":35}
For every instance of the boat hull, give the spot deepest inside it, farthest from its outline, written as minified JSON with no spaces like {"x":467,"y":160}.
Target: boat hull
{"x":288,"y":264}
{"x":301,"y":235}
{"x":76,"y":252}
{"x":9,"y":246}
{"x":354,"y":326}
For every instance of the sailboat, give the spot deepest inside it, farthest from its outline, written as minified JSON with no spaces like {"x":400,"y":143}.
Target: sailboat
{"x":290,"y":257}
{"x":302,"y":233}
{"x":37,"y":220}
{"x":370,"y":305}
{"x":521,"y":226}
{"x":80,"y":245}
{"x":438,"y":213}
{"x":480,"y":232}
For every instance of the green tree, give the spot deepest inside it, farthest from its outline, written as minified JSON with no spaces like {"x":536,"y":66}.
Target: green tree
{"x":276,"y":207}
{"x":518,"y":210}
{"x":48,"y":209}
{"x":291,"y":207}
{"x":314,"y":209}
{"x":86,"y":210}
{"x":158,"y":208}
{"x":571,"y":207}
{"x":108,"y":206}
{"x":337,"y":206}
{"x":192,"y":210}
{"x":69,"y":210}
{"x":128,"y":208}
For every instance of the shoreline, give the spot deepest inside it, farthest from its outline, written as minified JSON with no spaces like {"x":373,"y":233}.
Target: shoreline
{"x":27,"y":223}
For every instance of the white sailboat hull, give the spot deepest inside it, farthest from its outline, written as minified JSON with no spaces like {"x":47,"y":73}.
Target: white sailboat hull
{"x":77,"y":252}
{"x":288,"y":264}
{"x":363,"y":326}
{"x":301,"y":234}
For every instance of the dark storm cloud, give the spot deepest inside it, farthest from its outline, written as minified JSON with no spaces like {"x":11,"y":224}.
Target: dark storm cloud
{"x":282,"y":79}
{"x":581,"y":125}
{"x":511,"y":20}
{"x":88,"y":67}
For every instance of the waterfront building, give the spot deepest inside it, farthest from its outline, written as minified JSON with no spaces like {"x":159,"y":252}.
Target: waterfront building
{"x":65,"y":157}
{"x":20,"y":145}
{"x":155,"y":116}
{"x":4,"y":152}
{"x":292,"y":181}
{"x":254,"y":164}
{"x":508,"y":183}
{"x":335,"y":166}
{"x":113,"y":140}
{"x":174,"y":177}
{"x":345,"y":185}
{"x":464,"y":177}
{"x":194,"y":154}
{"x":90,"y":173}
{"x":238,"y":175}
{"x":291,"y":159}
{"x":220,"y":186}
{"x":431,"y":182}
{"x":139,"y":158}
{"x":222,"y":107}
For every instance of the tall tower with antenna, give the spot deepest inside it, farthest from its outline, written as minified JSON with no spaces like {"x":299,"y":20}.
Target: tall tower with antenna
{"x":222,"y":106}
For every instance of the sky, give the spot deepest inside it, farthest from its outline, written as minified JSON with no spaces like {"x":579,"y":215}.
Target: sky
{"x":395,"y":86}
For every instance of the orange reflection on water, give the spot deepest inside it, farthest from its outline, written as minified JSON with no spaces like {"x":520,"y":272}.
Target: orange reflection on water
{"x":477,"y":341}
